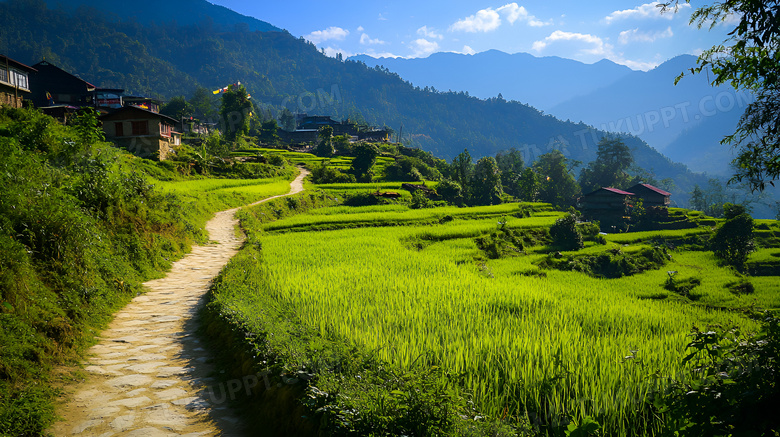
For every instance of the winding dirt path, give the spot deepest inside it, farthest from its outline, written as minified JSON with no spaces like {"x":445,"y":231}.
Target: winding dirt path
{"x":148,"y":374}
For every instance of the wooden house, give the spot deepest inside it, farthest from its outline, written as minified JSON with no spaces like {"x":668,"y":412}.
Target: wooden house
{"x":14,"y":82}
{"x":142,"y":132}
{"x":650,"y":195}
{"x":605,"y":199}
{"x":53,"y":87}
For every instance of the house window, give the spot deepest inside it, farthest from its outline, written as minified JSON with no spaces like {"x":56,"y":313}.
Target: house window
{"x":20,"y":79}
{"x":165,"y":130}
{"x":4,"y":76}
{"x":119,"y":127}
{"x":140,"y":128}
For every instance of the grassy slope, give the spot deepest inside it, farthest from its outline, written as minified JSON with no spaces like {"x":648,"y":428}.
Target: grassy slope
{"x":553,"y":345}
{"x":80,"y":228}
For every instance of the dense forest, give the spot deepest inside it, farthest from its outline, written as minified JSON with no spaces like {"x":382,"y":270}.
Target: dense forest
{"x":167,"y":59}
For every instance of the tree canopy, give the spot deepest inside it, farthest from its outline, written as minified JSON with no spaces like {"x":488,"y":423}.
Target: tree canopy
{"x":748,"y":60}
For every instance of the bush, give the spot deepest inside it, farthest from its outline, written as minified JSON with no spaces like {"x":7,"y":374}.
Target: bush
{"x":325,"y":174}
{"x":420,"y":200}
{"x":733,"y":387}
{"x":565,"y":234}
{"x":733,"y":241}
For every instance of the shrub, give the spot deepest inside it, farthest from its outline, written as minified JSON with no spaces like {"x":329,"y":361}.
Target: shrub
{"x":733,"y":386}
{"x":565,"y":234}
{"x":420,"y":200}
{"x":733,"y":241}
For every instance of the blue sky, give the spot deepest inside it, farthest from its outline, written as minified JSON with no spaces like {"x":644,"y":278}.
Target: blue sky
{"x":629,"y":33}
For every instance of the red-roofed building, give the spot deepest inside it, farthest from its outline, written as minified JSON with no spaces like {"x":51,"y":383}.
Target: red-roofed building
{"x":650,"y":195}
{"x":605,"y":199}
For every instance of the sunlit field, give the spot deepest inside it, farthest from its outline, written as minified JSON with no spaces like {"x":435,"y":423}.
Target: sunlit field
{"x":413,"y":287}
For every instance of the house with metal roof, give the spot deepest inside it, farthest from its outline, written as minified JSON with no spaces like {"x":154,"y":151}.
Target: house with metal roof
{"x":14,"y":82}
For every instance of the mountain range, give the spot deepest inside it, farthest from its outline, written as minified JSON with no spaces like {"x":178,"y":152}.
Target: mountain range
{"x":162,"y":54}
{"x":684,"y":121}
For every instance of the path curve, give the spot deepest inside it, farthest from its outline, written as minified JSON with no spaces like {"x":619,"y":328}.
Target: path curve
{"x":148,"y":376}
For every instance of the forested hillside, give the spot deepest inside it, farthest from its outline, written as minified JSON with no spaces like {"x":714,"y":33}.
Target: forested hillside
{"x":169,"y":59}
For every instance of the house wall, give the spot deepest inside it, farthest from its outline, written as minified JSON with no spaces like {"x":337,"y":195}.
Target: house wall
{"x":10,"y":99}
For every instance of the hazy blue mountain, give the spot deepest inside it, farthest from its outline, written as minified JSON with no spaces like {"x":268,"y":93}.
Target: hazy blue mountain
{"x":183,"y":12}
{"x":650,"y":106}
{"x":540,"y":82}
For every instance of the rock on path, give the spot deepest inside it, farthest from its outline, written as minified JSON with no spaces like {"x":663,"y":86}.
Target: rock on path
{"x":148,"y":376}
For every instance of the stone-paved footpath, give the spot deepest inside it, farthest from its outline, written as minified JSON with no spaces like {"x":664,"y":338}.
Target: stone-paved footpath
{"x":148,"y":374}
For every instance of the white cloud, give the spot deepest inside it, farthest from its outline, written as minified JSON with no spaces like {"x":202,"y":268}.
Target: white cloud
{"x":332,"y":52}
{"x":331,"y":33}
{"x":486,"y":20}
{"x":366,"y":40}
{"x":422,"y":47}
{"x":636,"y":65}
{"x":468,"y":50}
{"x":429,"y":33}
{"x":593,"y":44}
{"x":627,"y":36}
{"x":360,"y":29}
{"x":647,"y":10}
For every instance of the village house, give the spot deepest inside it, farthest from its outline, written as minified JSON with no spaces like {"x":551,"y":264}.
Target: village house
{"x":54,"y":87}
{"x":605,"y":199}
{"x":650,"y":195}
{"x":14,"y":82}
{"x":144,"y":133}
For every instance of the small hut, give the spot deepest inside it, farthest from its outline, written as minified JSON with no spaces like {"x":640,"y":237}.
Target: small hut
{"x":605,"y":199}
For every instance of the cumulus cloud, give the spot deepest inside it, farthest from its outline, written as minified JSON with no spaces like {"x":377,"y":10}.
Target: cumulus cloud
{"x":486,"y":20}
{"x":630,"y":35}
{"x":332,"y":52}
{"x":360,"y":29}
{"x":366,"y":40}
{"x":422,"y":47}
{"x":331,"y":33}
{"x":429,"y":33}
{"x":645,"y":11}
{"x":593,"y":44}
{"x":468,"y":50}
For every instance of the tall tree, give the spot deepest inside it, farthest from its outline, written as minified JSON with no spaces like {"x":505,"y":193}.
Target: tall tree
{"x":613,"y":159}
{"x":202,"y":104}
{"x":235,"y":112}
{"x":558,"y":185}
{"x":461,"y":170}
{"x":749,"y":59}
{"x":325,"y":144}
{"x":486,"y":182}
{"x":363,"y":164}
{"x":177,"y":108}
{"x":510,"y":162}
{"x":287,"y":120}
{"x":528,"y":185}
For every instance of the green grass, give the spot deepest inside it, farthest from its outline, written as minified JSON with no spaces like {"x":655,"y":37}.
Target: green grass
{"x":556,"y":347}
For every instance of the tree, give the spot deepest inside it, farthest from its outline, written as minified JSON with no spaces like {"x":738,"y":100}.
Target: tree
{"x":528,"y":185}
{"x":235,"y":112}
{"x":733,"y":241}
{"x":565,"y":234}
{"x":462,"y":168}
{"x":698,"y":202}
{"x":268,"y":132}
{"x":363,"y":164}
{"x":558,"y":185}
{"x":510,"y":162}
{"x":450,"y":191}
{"x":748,"y":60}
{"x":325,"y":145}
{"x":202,"y":104}
{"x":609,"y":169}
{"x":177,"y":108}
{"x":287,"y":120}
{"x":486,"y":182}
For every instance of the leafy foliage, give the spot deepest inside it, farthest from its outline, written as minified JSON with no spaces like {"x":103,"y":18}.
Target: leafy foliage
{"x":733,"y":241}
{"x":735,"y":384}
{"x":565,"y":234}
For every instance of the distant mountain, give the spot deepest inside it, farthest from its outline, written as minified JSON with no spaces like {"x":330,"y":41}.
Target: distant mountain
{"x":680,"y":120}
{"x":166,"y":59}
{"x":183,"y":12}
{"x":540,"y":82}
{"x":676,"y":120}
